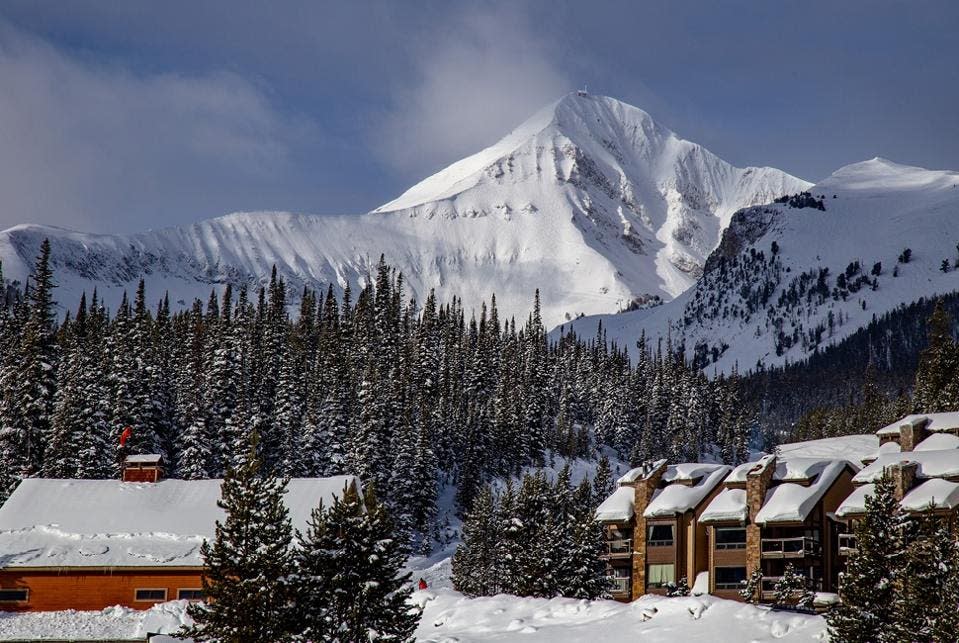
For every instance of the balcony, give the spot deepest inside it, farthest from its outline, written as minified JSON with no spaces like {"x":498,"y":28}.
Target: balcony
{"x":617,"y":549}
{"x":768,"y":588}
{"x":798,"y":547}
{"x":847,"y":544}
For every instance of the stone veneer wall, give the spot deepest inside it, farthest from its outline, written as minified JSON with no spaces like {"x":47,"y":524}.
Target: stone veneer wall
{"x":643,"y":489}
{"x":757,"y":482}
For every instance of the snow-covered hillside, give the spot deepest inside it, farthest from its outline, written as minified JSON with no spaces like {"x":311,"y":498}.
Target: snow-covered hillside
{"x":590,"y":201}
{"x":790,"y":277}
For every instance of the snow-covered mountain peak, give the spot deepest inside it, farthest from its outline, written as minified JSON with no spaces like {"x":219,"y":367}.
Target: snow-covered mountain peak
{"x":880,"y":175}
{"x":589,"y":200}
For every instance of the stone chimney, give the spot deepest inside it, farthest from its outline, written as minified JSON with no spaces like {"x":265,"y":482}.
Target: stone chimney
{"x":912,"y":433}
{"x":903,"y":476}
{"x":643,"y":490}
{"x":757,"y":483}
{"x":143,"y":468}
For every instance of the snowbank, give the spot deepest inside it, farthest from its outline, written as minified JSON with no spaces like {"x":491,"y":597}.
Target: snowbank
{"x":111,"y":623}
{"x":450,"y":617}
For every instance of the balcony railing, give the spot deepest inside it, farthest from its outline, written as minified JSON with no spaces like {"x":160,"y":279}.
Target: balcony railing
{"x":847,"y":544}
{"x":798,"y":547}
{"x":768,"y":587}
{"x":660,"y":543}
{"x":618,"y":548}
{"x":618,"y":585}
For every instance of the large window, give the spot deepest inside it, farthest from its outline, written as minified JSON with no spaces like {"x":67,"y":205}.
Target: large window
{"x":660,"y":575}
{"x":14,"y":595}
{"x":152,"y":595}
{"x":190,"y":594}
{"x":659,"y":536}
{"x":730,"y":538}
{"x":730,"y":577}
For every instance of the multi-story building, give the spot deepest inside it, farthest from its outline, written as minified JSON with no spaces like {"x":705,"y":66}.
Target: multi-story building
{"x":651,"y":521}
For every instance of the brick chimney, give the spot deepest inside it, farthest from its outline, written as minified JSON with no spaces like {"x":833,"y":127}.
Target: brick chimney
{"x":903,"y":476}
{"x":912,"y":433}
{"x":757,"y":483}
{"x":143,"y":468}
{"x":643,"y":490}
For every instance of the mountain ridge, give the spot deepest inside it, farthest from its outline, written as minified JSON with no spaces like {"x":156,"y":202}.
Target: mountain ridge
{"x":589,"y":200}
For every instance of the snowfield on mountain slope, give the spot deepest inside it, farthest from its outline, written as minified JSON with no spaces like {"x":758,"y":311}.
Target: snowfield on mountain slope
{"x":449,"y":617}
{"x":590,"y":201}
{"x":880,"y":209}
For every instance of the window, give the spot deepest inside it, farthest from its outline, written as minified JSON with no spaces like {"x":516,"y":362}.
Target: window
{"x":150,"y":595}
{"x":659,"y":536}
{"x":730,"y":538}
{"x":730,"y":577}
{"x":14,"y":595}
{"x":190,"y":594}
{"x":660,"y":575}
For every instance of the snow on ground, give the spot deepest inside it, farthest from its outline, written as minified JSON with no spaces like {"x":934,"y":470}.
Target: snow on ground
{"x":449,"y":617}
{"x":112,"y":623}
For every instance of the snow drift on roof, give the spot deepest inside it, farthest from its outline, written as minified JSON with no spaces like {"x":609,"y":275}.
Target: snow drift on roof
{"x":937,"y":422}
{"x":846,"y":447}
{"x":855,"y":503}
{"x":640,"y":472}
{"x":935,"y":494}
{"x":885,"y":448}
{"x":728,"y":506}
{"x":937,"y":442}
{"x":146,"y":458}
{"x":679,"y":498}
{"x":619,"y":507}
{"x":932,"y":464}
{"x":791,"y":502}
{"x":54,"y":523}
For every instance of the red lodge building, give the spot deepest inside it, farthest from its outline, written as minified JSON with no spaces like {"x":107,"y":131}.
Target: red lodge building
{"x":91,"y":544}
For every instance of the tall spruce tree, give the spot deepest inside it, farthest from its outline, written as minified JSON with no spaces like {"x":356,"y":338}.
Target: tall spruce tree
{"x":349,"y":575}
{"x":249,"y":562}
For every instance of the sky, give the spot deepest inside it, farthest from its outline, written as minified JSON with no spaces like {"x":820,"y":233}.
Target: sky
{"x":125,"y":116}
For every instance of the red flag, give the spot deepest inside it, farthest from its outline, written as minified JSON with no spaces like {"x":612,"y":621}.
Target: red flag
{"x":127,"y":432}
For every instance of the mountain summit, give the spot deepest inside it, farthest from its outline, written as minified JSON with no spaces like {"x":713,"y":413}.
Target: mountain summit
{"x":590,"y":201}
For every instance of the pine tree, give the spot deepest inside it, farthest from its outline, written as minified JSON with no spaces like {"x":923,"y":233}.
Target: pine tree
{"x":602,"y":481}
{"x":249,"y":597}
{"x":476,"y":561}
{"x":867,"y":587}
{"x":349,"y":575}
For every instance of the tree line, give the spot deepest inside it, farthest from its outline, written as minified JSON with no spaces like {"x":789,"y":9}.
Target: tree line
{"x":407,"y":395}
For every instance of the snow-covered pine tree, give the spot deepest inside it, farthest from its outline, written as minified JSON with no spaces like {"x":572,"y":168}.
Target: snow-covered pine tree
{"x":867,"y":586}
{"x":249,"y":562}
{"x":602,"y":480}
{"x":475,"y":565}
{"x":349,"y":575}
{"x":925,"y":602}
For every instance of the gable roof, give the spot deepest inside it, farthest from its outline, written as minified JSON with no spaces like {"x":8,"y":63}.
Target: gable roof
{"x":97,"y":523}
{"x":678,"y":498}
{"x":792,"y":502}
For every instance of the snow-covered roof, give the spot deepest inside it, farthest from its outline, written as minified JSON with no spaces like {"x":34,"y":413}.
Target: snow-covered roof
{"x":144,"y":458}
{"x":937,"y":422}
{"x":640,"y":472}
{"x":937,"y":442}
{"x":618,"y":507}
{"x":109,"y":523}
{"x":728,"y":506}
{"x":884,"y":448}
{"x":846,"y":447}
{"x":799,"y":468}
{"x":935,"y":493}
{"x":855,"y":503}
{"x":740,"y":473}
{"x":792,"y":502}
{"x":932,"y":464}
{"x":678,"y":498}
